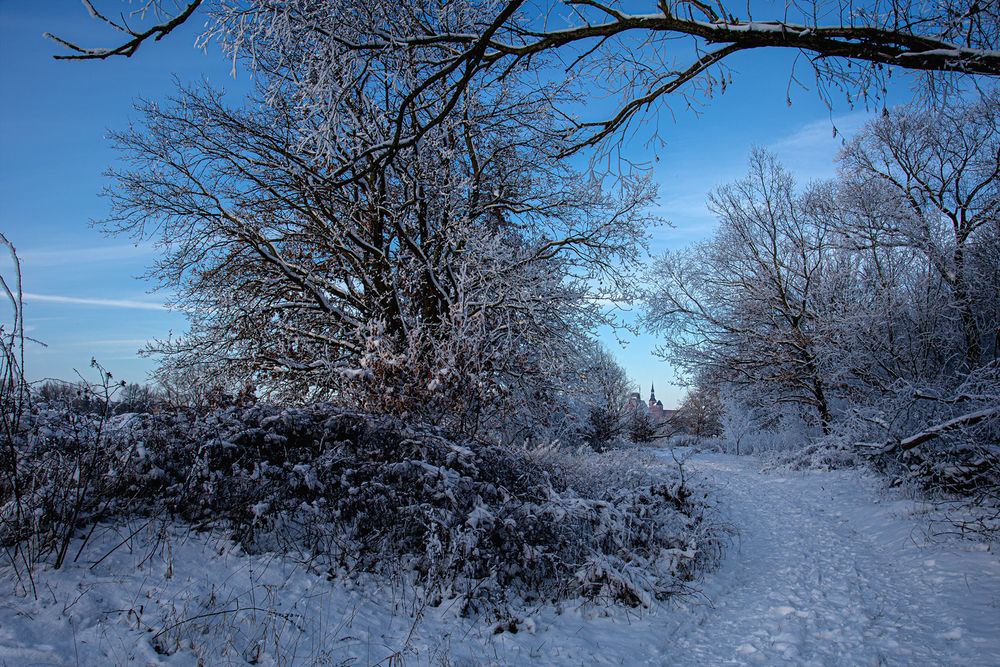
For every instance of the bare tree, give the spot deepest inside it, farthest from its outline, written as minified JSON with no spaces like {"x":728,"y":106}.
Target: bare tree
{"x":743,"y":307}
{"x":941,"y":173}
{"x":461,"y":273}
{"x":700,"y":411}
{"x":854,"y":296}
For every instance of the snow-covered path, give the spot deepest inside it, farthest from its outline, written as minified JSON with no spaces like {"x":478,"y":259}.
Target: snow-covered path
{"x":821,"y":574}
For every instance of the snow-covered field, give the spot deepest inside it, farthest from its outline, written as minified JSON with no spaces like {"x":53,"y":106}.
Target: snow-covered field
{"x":822,"y":572}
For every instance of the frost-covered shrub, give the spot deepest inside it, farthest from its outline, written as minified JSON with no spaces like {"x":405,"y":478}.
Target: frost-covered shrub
{"x":353,"y":493}
{"x":702,"y":442}
{"x":959,"y":471}
{"x":959,"y":468}
{"x":832,"y":453}
{"x":65,"y":464}
{"x":943,"y":440}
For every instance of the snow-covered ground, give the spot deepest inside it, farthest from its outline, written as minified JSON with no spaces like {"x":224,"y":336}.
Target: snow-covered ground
{"x":825,"y":573}
{"x":822,"y":572}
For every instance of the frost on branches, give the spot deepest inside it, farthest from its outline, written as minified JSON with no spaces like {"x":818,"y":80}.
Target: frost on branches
{"x":641,"y":56}
{"x":457,"y":282}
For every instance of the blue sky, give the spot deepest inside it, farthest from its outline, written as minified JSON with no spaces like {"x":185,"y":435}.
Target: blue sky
{"x":85,"y":293}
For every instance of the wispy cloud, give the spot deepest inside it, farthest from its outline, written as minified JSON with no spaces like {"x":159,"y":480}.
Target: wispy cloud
{"x":49,"y":257}
{"x":106,"y":303}
{"x":820,"y":133}
{"x":810,"y":151}
{"x":109,"y":343}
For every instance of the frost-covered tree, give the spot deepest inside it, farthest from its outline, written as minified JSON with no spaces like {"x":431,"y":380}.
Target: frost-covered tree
{"x":641,"y":428}
{"x":917,"y":209}
{"x":699,"y":411}
{"x":938,"y":176}
{"x":871,"y":300}
{"x":739,"y":421}
{"x":606,"y":400}
{"x":743,"y":307}
{"x":464,"y":272}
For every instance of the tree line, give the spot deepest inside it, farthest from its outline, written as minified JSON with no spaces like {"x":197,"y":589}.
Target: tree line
{"x":866,"y":306}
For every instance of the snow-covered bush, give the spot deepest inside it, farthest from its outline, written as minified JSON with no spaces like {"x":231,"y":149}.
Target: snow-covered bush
{"x":940,"y":438}
{"x":66,"y":466}
{"x":688,"y":440}
{"x":353,"y":493}
{"x":832,"y":453}
{"x":959,"y":467}
{"x":56,"y":466}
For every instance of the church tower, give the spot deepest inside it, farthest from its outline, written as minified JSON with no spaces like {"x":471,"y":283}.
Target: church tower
{"x":655,"y":406}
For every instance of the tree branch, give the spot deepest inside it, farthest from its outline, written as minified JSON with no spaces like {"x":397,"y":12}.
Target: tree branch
{"x":126,"y":49}
{"x":938,"y":430}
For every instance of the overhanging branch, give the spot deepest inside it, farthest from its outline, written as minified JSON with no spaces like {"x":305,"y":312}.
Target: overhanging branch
{"x":129,"y":47}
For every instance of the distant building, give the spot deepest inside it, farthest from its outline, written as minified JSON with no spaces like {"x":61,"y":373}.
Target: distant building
{"x":635,"y":401}
{"x":657,"y":412}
